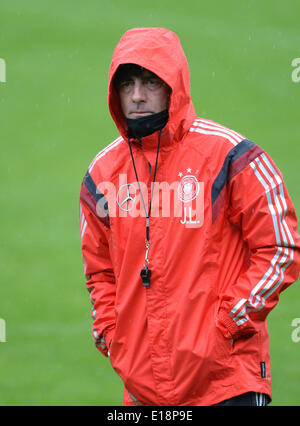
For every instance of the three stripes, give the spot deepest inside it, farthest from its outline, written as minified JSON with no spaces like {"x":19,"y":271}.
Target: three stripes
{"x":273,"y":187}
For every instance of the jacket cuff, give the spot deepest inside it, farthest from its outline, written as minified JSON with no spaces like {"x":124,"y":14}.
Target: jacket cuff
{"x":230,"y":329}
{"x":227,"y":326}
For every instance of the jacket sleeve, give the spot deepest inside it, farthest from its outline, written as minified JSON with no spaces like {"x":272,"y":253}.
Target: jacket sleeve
{"x":261,"y":208}
{"x":98,"y":269}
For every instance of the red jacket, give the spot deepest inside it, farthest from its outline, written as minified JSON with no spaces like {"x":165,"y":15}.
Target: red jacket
{"x":219,"y":259}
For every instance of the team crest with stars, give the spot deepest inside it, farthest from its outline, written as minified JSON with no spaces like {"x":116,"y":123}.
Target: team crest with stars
{"x":188,"y":187}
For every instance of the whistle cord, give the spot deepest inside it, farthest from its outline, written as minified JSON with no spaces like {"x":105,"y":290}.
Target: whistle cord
{"x":152,"y":189}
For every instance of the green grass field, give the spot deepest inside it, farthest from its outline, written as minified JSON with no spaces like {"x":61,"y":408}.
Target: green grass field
{"x":54,"y":119}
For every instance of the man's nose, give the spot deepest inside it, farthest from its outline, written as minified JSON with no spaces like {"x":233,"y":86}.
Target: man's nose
{"x":138,"y":92}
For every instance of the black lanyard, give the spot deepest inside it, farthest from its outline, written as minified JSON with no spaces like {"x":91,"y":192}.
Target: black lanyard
{"x":146,"y":272}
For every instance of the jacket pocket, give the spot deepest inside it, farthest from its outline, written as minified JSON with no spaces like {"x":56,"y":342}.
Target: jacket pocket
{"x":246,"y":352}
{"x":247,"y":346}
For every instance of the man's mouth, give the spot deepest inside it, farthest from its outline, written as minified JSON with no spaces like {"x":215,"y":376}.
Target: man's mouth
{"x":137,"y":114}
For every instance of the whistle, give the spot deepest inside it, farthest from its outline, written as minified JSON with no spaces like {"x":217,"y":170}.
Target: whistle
{"x":145,"y":275}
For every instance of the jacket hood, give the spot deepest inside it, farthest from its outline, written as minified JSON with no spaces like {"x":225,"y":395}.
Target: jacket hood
{"x":159,"y":51}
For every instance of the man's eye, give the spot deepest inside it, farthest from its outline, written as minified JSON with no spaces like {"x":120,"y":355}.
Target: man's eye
{"x":153,"y":83}
{"x":126,"y":84}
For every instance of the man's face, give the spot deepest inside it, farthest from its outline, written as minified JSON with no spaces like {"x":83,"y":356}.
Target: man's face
{"x":143,"y":95}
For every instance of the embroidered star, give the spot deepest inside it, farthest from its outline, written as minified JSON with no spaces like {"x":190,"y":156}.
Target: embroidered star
{"x":180,"y":174}
{"x":189,"y":170}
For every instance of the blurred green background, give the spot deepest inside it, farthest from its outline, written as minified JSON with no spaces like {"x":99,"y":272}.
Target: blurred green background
{"x":53,"y":121}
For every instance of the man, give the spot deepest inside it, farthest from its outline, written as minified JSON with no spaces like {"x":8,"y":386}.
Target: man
{"x":188,"y":238}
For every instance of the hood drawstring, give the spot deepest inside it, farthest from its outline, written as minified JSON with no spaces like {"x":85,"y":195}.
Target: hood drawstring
{"x":146,"y":272}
